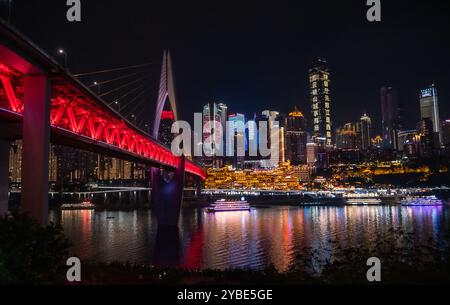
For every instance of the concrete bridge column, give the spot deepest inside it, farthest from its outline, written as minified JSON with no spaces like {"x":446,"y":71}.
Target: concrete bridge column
{"x":167,"y":194}
{"x":36,"y":142}
{"x":4,"y":176}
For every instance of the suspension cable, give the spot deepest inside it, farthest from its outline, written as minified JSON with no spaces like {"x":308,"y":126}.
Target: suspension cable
{"x":112,"y":70}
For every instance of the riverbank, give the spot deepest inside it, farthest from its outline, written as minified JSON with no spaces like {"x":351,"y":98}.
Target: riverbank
{"x":395,"y":271}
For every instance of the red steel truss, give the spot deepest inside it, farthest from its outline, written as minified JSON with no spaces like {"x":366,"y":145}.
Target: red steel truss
{"x":78,"y":114}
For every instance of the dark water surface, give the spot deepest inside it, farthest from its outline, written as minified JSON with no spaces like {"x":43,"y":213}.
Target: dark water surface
{"x":265,"y":236}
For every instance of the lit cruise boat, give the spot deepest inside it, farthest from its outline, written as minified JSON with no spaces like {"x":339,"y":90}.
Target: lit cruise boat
{"x":224,"y":205}
{"x":422,"y":201}
{"x":363,"y":201}
{"x":85,"y":205}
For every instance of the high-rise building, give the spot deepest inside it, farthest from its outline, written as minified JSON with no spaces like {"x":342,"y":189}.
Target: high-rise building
{"x":311,"y":154}
{"x":347,"y":137}
{"x":239,"y":136}
{"x":429,"y":109}
{"x":426,"y":134}
{"x":214,"y":115}
{"x":295,"y":137}
{"x":273,"y":120}
{"x":391,"y":117}
{"x":319,"y":81}
{"x":165,"y":130}
{"x":365,"y":125}
{"x":409,"y":143}
{"x":446,"y":133}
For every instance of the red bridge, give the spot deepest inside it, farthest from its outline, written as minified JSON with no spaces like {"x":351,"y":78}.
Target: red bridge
{"x":41,"y":100}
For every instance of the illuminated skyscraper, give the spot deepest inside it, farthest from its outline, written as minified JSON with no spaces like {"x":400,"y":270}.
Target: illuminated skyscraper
{"x":296,"y":137}
{"x":446,"y":133}
{"x":429,"y":109}
{"x":238,"y":137}
{"x":311,"y":154}
{"x":365,"y":125}
{"x":319,"y":81}
{"x":165,"y":130}
{"x":391,"y":117}
{"x":213,"y":141}
{"x":347,"y":137}
{"x":425,"y":132}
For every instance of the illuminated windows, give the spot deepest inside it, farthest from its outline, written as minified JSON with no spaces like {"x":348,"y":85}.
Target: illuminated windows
{"x":319,"y":78}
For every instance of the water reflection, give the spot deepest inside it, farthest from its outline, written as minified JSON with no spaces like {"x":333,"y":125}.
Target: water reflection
{"x":268,"y":236}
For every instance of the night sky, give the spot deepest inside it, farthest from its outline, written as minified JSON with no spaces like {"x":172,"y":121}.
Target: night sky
{"x":256,"y":56}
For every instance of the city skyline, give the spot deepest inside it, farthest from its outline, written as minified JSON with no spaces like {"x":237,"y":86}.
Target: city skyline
{"x":262,"y":57}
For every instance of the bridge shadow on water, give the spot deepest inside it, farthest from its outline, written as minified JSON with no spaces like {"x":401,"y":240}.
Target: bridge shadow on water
{"x":167,"y":250}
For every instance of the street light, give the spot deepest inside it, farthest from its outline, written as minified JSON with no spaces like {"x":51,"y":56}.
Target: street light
{"x":117,"y":103}
{"x":133,"y":117}
{"x":98,"y":86}
{"x":63,"y":53}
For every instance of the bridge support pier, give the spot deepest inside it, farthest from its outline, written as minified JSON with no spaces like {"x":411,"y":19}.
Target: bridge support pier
{"x":167,"y":194}
{"x":36,"y":142}
{"x":4,"y":176}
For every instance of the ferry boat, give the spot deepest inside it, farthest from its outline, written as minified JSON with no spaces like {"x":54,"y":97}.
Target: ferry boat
{"x":224,"y":205}
{"x":321,"y":198}
{"x":85,"y":205}
{"x":422,"y":201}
{"x":363,"y":201}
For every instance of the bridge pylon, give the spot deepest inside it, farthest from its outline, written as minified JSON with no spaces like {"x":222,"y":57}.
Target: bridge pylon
{"x":167,"y":186}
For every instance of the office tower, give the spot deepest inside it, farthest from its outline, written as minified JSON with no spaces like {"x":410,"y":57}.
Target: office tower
{"x":347,"y":137}
{"x":272,"y":120}
{"x":252,"y":136}
{"x":409,"y":143}
{"x":319,"y":81}
{"x":365,"y":125}
{"x":311,"y":154}
{"x":213,"y":116}
{"x":429,"y":109}
{"x":165,"y":130}
{"x":296,"y":137}
{"x":238,"y":135}
{"x":446,"y":133}
{"x":426,"y":133}
{"x":391,"y":117}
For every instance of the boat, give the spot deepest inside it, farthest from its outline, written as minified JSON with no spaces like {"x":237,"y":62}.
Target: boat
{"x":363,"y":201}
{"x":422,"y":201}
{"x":224,"y":205}
{"x":321,"y":198}
{"x":85,"y":205}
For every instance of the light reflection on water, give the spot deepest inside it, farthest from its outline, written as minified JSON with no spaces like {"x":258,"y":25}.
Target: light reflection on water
{"x":266,"y":236}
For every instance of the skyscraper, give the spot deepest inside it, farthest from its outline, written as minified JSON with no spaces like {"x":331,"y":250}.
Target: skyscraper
{"x":365,"y":125}
{"x":391,"y":117}
{"x":165,"y":130}
{"x":319,"y":80}
{"x":238,"y":136}
{"x":213,"y":115}
{"x":425,"y":132}
{"x":311,"y":154}
{"x":295,"y":137}
{"x":429,"y":109}
{"x":446,"y":133}
{"x":347,"y":137}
